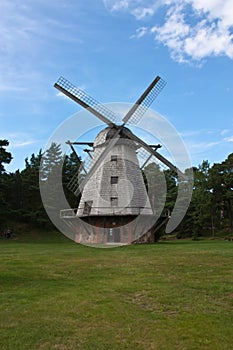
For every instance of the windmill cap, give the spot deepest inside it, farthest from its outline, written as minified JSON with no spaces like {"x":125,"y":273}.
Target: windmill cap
{"x":109,"y":133}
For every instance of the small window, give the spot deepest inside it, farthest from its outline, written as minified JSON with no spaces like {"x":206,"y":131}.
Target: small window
{"x":87,"y":207}
{"x":114,"y":180}
{"x":113,"y":158}
{"x":114,"y":201}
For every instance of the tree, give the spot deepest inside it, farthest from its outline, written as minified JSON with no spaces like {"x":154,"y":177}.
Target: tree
{"x":51,"y":188}
{"x":15,"y":196}
{"x":221,"y":183}
{"x":5,"y":157}
{"x":202,"y":206}
{"x":24,"y":201}
{"x":156,"y":185}
{"x":32,"y":207}
{"x":172,"y":189}
{"x":228,"y":184}
{"x":71,"y":168}
{"x":51,"y":162}
{"x":199,"y":215}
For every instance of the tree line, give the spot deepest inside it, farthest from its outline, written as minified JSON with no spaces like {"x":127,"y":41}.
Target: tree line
{"x":209,"y":212}
{"x":20,"y":191}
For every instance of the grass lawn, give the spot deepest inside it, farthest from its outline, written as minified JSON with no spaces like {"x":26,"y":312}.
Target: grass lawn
{"x":55,"y":294}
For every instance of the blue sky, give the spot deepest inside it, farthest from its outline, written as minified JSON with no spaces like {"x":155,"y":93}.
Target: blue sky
{"x":113,"y":49}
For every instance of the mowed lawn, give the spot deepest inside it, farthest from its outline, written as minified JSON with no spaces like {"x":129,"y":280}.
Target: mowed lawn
{"x":171,"y":295}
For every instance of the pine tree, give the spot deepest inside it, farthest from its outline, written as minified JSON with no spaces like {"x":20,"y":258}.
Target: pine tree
{"x":5,"y":158}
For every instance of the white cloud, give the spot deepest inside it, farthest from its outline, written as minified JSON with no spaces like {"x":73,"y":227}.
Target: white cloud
{"x":224,"y":132}
{"x":229,"y":139}
{"x":140,"y":32}
{"x":116,"y":5}
{"x":19,"y":140}
{"x":61,"y":95}
{"x":215,"y":140}
{"x":208,"y":40}
{"x":8,"y":87}
{"x":140,"y":9}
{"x":208,"y":36}
{"x":214,"y":9}
{"x":22,"y":144}
{"x":191,"y":133}
{"x":173,"y":32}
{"x":143,"y":12}
{"x":200,"y":147}
{"x":200,"y":150}
{"x":191,"y":29}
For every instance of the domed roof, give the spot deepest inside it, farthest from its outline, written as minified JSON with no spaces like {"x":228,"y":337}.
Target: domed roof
{"x":109,"y":132}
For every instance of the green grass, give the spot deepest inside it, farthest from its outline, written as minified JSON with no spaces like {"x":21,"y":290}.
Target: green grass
{"x":171,"y":295}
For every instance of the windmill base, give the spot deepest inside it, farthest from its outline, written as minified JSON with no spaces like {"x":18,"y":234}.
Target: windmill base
{"x":115,"y":230}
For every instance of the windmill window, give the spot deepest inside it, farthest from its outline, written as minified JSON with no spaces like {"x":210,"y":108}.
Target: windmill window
{"x":114,"y":201}
{"x":87,"y":207}
{"x":114,"y":180}
{"x":113,"y":158}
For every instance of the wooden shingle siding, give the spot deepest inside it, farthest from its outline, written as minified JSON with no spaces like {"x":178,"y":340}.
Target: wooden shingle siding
{"x":121,"y":162}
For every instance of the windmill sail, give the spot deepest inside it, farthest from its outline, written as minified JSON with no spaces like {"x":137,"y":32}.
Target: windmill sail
{"x":86,"y":101}
{"x":145,"y":100}
{"x":159,"y":156}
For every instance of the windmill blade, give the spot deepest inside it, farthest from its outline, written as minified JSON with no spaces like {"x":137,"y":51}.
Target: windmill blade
{"x":73,"y":150}
{"x":90,"y":144}
{"x":144,"y":101}
{"x":158,"y":156}
{"x":86,"y":101}
{"x":185,"y":188}
{"x":77,"y":157}
{"x":148,"y":157}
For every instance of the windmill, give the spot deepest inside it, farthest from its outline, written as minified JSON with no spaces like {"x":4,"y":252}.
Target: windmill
{"x":114,"y":205}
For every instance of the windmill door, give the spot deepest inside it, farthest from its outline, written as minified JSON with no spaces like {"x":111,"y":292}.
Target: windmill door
{"x":114,"y":235}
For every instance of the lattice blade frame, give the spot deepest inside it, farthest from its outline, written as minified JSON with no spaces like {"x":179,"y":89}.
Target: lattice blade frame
{"x":135,"y":114}
{"x":159,"y":156}
{"x":86,"y":101}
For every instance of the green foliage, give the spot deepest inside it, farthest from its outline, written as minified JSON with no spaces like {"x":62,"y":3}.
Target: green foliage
{"x":51,"y":163}
{"x":221,"y":181}
{"x":56,"y":171}
{"x":20,"y":191}
{"x":156,"y":185}
{"x":172,"y":189}
{"x":210,"y":210}
{"x":5,"y":157}
{"x":70,"y":169}
{"x":211,"y":206}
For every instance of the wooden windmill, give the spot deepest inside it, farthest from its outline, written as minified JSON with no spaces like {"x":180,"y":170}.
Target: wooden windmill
{"x":114,"y":205}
